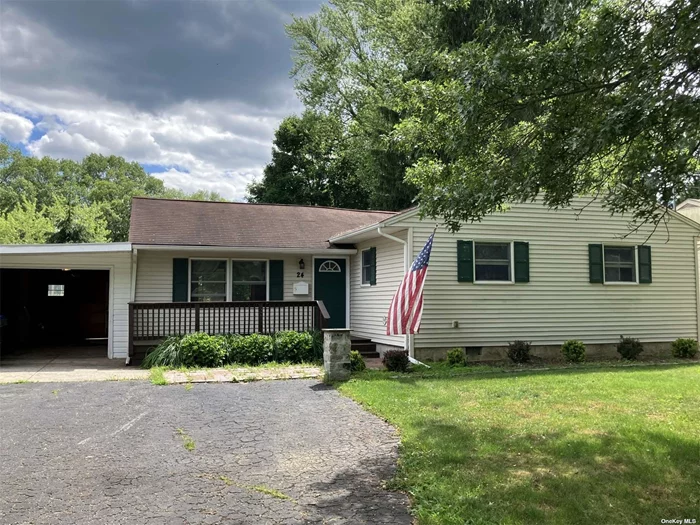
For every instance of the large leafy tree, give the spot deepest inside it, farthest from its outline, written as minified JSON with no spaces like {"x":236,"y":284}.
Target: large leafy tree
{"x":496,"y":101}
{"x":87,"y":201}
{"x":311,"y":164}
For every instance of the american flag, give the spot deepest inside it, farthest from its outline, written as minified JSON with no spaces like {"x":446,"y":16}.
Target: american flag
{"x":407,"y":305}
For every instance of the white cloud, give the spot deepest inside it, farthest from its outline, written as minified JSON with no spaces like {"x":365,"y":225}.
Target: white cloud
{"x":204,"y":106}
{"x":15,"y":128}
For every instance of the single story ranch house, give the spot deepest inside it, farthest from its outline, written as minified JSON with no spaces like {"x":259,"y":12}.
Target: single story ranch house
{"x":528,"y":273}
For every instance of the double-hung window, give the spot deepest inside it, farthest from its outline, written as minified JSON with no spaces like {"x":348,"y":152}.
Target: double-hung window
{"x":492,"y":261}
{"x":207,"y":280}
{"x":620,"y":264}
{"x":249,"y":280}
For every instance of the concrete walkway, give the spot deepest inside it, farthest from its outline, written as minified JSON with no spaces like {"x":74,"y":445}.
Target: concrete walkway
{"x":60,"y":364}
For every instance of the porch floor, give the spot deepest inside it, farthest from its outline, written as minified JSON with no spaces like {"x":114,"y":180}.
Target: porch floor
{"x":61,"y":363}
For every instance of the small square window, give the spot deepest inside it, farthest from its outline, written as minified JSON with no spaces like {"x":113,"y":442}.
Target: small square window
{"x":492,"y":261}
{"x":620,"y":264}
{"x":57,"y":290}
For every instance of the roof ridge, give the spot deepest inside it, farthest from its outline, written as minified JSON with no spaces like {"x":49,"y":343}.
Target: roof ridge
{"x":264,"y":204}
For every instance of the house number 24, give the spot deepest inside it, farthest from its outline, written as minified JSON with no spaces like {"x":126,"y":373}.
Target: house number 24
{"x":300,"y":274}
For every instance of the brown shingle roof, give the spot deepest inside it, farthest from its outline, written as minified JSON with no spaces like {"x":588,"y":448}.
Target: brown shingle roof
{"x":201,"y":223}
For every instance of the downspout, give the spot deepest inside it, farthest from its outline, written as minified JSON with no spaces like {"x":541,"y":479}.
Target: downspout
{"x":406,"y":265}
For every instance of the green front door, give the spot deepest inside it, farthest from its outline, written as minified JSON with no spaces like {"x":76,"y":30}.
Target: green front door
{"x":330,"y":287}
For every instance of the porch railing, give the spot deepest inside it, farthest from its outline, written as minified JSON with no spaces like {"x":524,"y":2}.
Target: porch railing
{"x":152,"y":322}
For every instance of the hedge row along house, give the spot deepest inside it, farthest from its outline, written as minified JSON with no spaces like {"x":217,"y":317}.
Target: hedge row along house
{"x":529,"y":273}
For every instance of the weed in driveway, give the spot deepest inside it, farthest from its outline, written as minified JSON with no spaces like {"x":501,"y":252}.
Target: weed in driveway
{"x":270,"y":492}
{"x":188,"y":386}
{"x":157,"y":376}
{"x":187,"y":441}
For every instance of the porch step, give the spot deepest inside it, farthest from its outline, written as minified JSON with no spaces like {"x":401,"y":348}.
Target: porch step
{"x":366,"y":347}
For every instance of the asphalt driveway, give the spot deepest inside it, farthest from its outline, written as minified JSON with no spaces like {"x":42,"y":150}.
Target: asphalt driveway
{"x":268,"y":452}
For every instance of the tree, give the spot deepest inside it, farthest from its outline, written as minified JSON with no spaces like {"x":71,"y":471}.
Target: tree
{"x":310,"y":165}
{"x":500,"y":101}
{"x":87,"y":201}
{"x":25,"y":224}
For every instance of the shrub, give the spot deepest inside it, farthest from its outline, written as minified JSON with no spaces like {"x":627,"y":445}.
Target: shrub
{"x":629,"y":348}
{"x":684,"y":348}
{"x":519,"y":351}
{"x":455,"y":357}
{"x":396,"y":360}
{"x":293,"y":347}
{"x":574,"y":351}
{"x":252,"y":349}
{"x":202,"y":350}
{"x":167,"y":353}
{"x":316,"y":345}
{"x":357,"y":364}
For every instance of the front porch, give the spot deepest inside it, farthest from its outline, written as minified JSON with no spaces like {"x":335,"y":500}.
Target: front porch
{"x":151,"y":323}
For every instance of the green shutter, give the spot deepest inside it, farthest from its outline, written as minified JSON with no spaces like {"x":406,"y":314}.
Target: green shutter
{"x":522,"y":262}
{"x":595,"y":263}
{"x":276,"y":280}
{"x":644,"y":254}
{"x":373,"y":266}
{"x":181,"y":276}
{"x":465,"y":261}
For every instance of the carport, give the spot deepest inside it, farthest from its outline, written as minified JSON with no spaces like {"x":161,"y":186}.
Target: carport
{"x":64,"y":303}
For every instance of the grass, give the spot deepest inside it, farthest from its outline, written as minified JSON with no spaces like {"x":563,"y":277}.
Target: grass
{"x":157,"y":375}
{"x":269,"y":491}
{"x":187,"y":441}
{"x":585,"y":444}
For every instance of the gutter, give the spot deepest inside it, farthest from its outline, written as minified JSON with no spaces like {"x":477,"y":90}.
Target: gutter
{"x":246,"y":249}
{"x":406,"y":265}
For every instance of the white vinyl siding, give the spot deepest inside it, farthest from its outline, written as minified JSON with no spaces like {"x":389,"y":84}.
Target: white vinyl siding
{"x":369,"y":305}
{"x":154,"y":277}
{"x":119,"y":265}
{"x":559,"y":302}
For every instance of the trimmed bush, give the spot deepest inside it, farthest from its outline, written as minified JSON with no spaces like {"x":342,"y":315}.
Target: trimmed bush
{"x":202,"y":350}
{"x":519,"y":351}
{"x":357,"y":364}
{"x":316,"y":345}
{"x":684,"y":348}
{"x":396,"y":360}
{"x":253,"y":349}
{"x":574,"y":351}
{"x":629,"y":348}
{"x":455,"y":357}
{"x":293,"y":347}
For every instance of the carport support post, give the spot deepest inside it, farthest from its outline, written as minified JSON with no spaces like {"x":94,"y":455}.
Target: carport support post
{"x":336,"y":354}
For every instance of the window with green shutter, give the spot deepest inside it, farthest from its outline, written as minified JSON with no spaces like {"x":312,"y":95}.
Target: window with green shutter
{"x":181,"y":276}
{"x":276,"y":280}
{"x":465,"y":261}
{"x":595,"y":263}
{"x":521,"y":254}
{"x":644,"y":253}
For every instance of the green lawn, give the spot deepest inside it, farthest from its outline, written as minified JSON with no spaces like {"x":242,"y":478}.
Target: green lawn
{"x":588,"y":445}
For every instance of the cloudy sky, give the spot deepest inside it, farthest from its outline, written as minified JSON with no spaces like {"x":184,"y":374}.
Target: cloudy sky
{"x":191,"y":90}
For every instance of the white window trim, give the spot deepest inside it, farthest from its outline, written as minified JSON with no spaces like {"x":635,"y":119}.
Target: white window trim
{"x":636,"y":266}
{"x":362,"y":283}
{"x":229,"y":274}
{"x":511,"y":264}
